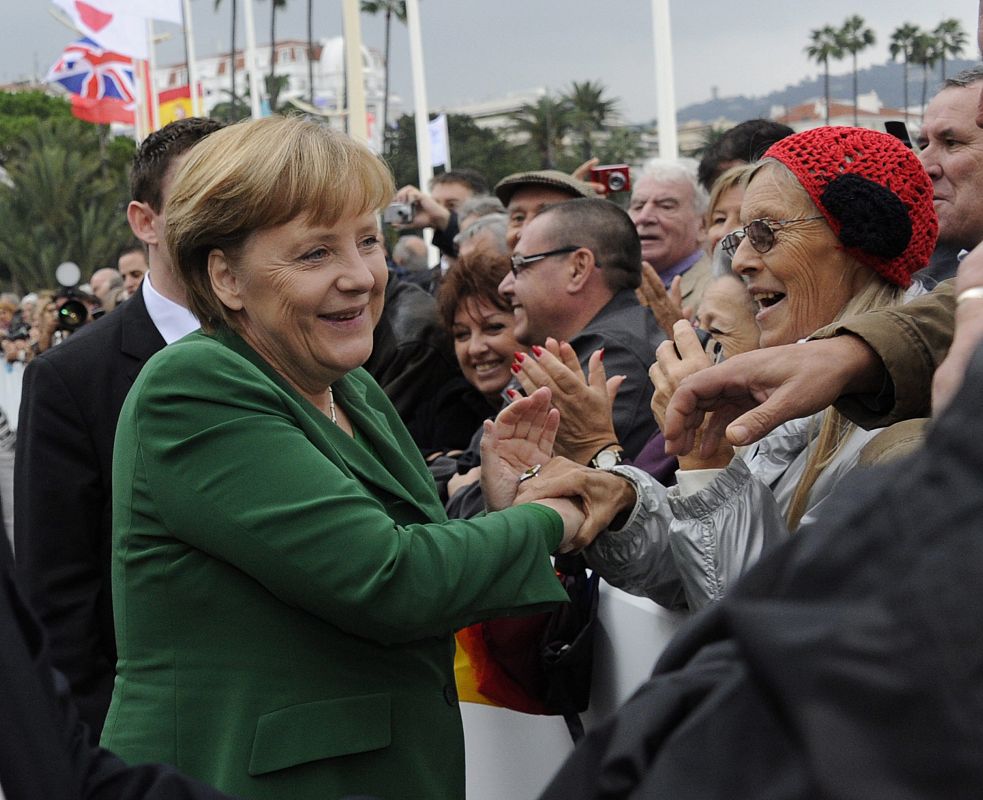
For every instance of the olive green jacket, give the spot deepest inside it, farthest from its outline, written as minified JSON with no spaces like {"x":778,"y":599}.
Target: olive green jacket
{"x":285,"y":596}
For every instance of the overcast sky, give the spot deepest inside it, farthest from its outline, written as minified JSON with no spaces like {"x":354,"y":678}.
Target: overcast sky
{"x":482,"y":50}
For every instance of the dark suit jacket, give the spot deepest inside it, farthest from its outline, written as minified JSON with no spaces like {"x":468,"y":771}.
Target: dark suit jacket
{"x":286,"y":595}
{"x":44,"y":749}
{"x":71,"y":400}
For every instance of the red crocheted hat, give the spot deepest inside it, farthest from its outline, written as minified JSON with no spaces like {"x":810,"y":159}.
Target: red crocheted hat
{"x":872,"y":190}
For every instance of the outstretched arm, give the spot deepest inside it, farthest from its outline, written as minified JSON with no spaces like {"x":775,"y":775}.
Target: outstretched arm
{"x":753,"y":393}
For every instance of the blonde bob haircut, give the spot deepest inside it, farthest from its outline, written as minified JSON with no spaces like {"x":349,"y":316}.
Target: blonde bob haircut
{"x":257,"y":175}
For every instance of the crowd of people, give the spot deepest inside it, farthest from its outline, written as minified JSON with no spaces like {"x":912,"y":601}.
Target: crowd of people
{"x":258,"y":476}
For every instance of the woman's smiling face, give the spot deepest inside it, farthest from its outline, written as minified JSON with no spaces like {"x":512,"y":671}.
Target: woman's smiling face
{"x":806,"y":278}
{"x":485,"y":344}
{"x":307,"y":297}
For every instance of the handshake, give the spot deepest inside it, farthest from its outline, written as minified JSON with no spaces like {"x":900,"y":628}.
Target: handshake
{"x":518,"y":466}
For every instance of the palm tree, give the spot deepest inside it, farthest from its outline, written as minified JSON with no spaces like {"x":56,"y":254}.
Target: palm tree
{"x":925,"y":53}
{"x":391,"y":8}
{"x":825,"y":44}
{"x":589,"y":112}
{"x":232,"y":51}
{"x":546,"y":124}
{"x":951,"y":40}
{"x":271,"y":78}
{"x":902,"y":44}
{"x":855,"y":36}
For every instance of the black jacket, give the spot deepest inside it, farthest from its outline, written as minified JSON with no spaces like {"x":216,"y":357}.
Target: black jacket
{"x":71,"y":400}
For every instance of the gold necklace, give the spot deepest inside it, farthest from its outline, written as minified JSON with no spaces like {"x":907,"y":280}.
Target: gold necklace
{"x":331,"y":411}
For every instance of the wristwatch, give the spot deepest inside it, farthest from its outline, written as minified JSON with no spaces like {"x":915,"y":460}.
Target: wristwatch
{"x":606,"y":458}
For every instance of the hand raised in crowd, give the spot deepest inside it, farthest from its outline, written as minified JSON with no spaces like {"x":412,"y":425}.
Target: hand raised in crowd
{"x":667,"y":306}
{"x":968,"y":334}
{"x":428,"y":212}
{"x":520,"y":438}
{"x":602,"y":495}
{"x":582,"y":173}
{"x":667,"y":373}
{"x":753,"y":393}
{"x":586,"y":421}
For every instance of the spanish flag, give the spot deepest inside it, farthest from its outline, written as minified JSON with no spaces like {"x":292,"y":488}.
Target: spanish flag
{"x":175,"y":104}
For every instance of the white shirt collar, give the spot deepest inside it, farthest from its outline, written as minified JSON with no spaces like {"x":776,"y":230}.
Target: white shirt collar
{"x":171,"y":319}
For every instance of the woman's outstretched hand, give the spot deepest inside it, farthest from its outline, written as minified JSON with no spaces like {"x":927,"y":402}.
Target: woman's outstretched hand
{"x":520,"y":438}
{"x":602,"y":496}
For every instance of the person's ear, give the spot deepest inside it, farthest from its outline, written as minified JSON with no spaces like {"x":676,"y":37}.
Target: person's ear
{"x":581,"y":267}
{"x":141,"y":218}
{"x":224,"y":282}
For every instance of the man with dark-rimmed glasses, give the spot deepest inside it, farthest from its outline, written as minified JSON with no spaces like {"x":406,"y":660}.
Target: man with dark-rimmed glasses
{"x":575,"y":267}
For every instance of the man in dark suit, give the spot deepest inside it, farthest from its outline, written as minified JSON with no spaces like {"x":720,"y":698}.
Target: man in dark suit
{"x":72,"y":396}
{"x":44,"y":748}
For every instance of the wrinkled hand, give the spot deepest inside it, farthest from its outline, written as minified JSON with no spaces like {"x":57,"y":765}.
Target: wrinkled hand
{"x":521,"y":436}
{"x":458,"y":482}
{"x":582,"y":173}
{"x":667,"y":307}
{"x":602,"y":495}
{"x":667,"y":373}
{"x":753,"y":393}
{"x":586,"y":421}
{"x":968,"y":334}
{"x":429,"y":213}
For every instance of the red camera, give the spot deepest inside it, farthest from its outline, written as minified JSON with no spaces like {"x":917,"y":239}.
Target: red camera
{"x":614,"y":177}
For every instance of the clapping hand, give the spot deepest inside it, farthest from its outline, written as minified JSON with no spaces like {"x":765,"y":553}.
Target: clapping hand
{"x":520,"y":438}
{"x":586,"y":421}
{"x":669,"y":370}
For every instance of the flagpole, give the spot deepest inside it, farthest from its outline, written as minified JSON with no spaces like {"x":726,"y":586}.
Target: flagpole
{"x":358,"y":127}
{"x":254,"y":90}
{"x":189,"y":57}
{"x":662,"y":41}
{"x":419,"y":93}
{"x":154,"y":109}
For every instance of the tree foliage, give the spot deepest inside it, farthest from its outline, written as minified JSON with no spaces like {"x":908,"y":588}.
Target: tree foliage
{"x":67,"y":202}
{"x":855,"y":37}
{"x":903,"y":44}
{"x":471,"y":146}
{"x":590,"y":112}
{"x":824,"y":44}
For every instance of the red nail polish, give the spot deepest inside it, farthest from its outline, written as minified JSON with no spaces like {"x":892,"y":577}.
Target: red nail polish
{"x":519,"y":357}
{"x":512,"y":393}
{"x":602,"y":354}
{"x":537,"y":350}
{"x":515,"y":367}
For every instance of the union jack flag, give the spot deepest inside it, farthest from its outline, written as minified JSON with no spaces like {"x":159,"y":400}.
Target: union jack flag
{"x":87,"y":70}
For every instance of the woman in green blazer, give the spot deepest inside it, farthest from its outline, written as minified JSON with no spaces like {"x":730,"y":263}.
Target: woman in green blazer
{"x":285,"y":581}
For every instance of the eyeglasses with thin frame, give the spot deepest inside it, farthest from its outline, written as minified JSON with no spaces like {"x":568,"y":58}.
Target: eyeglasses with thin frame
{"x":519,"y":263}
{"x":760,"y":232}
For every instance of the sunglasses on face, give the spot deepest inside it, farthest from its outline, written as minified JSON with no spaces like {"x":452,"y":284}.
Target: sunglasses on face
{"x":760,"y":232}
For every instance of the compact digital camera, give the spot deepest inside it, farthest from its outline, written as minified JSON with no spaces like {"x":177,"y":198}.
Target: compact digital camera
{"x":613,"y":177}
{"x":399,"y":213}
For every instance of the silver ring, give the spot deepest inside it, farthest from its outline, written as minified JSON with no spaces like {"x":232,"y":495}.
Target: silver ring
{"x":532,"y":472}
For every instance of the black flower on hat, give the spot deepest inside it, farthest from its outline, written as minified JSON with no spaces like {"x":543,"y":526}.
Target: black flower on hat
{"x":872,"y":217}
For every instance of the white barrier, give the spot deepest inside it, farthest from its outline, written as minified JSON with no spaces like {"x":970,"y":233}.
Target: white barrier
{"x":514,"y":755}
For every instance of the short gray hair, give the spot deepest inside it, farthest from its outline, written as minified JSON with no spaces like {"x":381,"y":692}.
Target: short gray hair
{"x":479,"y":206}
{"x":405,"y":255}
{"x":965,"y":78}
{"x":679,"y":169}
{"x":495,"y":224}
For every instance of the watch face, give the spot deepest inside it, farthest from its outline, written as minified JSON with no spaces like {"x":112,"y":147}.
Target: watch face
{"x":607,"y":459}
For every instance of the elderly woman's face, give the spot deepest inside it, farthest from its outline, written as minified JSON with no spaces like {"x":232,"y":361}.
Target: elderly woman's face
{"x":485,"y":344}
{"x":727,"y":314}
{"x":806,"y":278}
{"x":309,"y":296}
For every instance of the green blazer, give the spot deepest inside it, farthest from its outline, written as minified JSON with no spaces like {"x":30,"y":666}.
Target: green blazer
{"x":285,"y":596}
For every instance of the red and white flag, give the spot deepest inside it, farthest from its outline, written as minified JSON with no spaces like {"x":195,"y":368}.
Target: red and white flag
{"x":119,"y":25}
